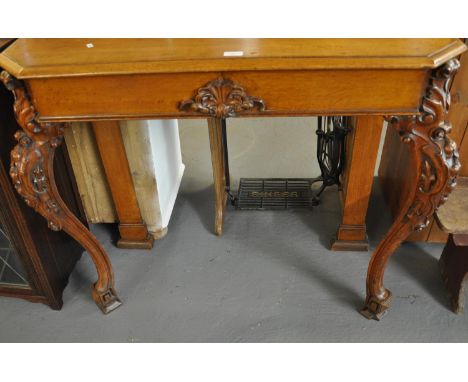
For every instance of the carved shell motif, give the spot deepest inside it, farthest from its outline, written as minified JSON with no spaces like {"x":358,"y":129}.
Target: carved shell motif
{"x":222,"y":98}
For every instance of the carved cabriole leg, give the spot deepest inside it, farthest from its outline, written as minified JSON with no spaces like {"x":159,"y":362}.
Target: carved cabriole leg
{"x":435,"y":157}
{"x":217,"y":160}
{"x":32,"y":173}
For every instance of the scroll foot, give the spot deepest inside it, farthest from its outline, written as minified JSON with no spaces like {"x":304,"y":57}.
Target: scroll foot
{"x":107,"y":301}
{"x":374,"y":308}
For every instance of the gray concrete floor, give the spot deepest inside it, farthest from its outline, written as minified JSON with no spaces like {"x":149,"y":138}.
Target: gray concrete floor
{"x":270,"y":278}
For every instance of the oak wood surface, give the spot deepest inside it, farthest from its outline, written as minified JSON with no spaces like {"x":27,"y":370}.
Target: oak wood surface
{"x":63,"y":73}
{"x":147,"y":96}
{"x":132,"y":228}
{"x":362,"y":145}
{"x":32,"y":58}
{"x":219,"y":179}
{"x":359,"y":77}
{"x":434,"y":157}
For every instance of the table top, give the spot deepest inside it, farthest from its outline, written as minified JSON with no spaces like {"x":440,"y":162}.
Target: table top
{"x":45,"y":58}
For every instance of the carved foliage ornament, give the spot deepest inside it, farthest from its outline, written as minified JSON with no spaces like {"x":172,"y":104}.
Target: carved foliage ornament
{"x":222,"y":98}
{"x":438,"y":156}
{"x":32,"y":158}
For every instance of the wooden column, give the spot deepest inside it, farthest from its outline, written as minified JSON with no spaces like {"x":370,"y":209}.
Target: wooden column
{"x":132,"y":228}
{"x":215,"y":130}
{"x":362,"y":146}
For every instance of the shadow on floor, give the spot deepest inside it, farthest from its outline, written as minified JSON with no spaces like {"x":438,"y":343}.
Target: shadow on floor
{"x":322,"y":219}
{"x":311,"y":269}
{"x":410,"y":257}
{"x":202,"y":203}
{"x":418,"y":264}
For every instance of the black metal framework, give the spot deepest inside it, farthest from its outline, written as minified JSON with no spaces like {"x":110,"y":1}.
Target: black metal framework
{"x":274,"y":194}
{"x":232,"y":198}
{"x":331,"y":133}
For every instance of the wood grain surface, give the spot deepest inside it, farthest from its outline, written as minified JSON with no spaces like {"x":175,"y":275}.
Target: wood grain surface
{"x":32,"y":58}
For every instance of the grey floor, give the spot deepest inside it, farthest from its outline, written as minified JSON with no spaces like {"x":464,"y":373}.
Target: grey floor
{"x":269,"y":278}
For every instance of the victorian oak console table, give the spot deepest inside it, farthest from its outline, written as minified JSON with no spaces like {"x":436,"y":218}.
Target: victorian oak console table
{"x":407,"y":81}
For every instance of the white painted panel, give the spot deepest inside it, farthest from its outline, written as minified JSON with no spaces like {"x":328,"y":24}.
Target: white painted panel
{"x":167,"y":157}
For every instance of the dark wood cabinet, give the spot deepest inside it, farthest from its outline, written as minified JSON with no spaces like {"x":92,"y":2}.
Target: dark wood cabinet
{"x":35,"y":262}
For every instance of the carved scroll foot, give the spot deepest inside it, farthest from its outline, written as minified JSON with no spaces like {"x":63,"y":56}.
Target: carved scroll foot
{"x":107,"y":301}
{"x":32,"y":173}
{"x":103,"y":293}
{"x":375,"y":308}
{"x":435,"y":159}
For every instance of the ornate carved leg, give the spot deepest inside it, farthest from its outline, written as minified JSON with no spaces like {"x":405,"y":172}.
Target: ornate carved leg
{"x":32,"y":173}
{"x":436,"y":159}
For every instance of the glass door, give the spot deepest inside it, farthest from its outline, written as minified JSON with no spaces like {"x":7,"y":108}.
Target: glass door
{"x":11,"y":269}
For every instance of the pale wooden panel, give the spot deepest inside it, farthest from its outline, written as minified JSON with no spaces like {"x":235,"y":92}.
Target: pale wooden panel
{"x":91,"y":179}
{"x":136,"y":139}
{"x":89,"y":173}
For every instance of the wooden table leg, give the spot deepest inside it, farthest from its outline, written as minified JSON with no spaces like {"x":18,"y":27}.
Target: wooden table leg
{"x":132,"y":228}
{"x":362,"y":145}
{"x":435,"y":158}
{"x":215,"y":130}
{"x":32,"y":172}
{"x":454,"y":269}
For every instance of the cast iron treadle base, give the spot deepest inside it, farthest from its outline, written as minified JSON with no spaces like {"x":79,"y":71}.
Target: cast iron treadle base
{"x":274,"y":194}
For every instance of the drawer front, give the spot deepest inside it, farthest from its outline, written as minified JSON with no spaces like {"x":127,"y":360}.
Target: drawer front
{"x":145,"y":96}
